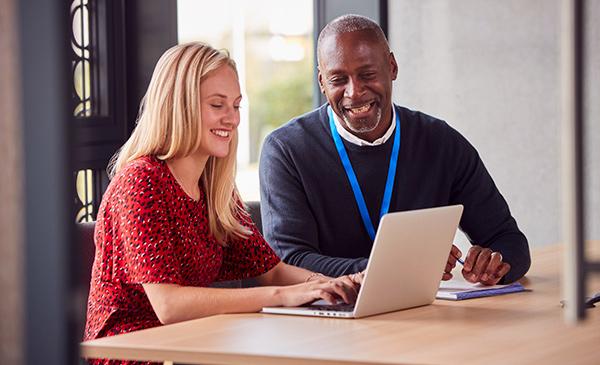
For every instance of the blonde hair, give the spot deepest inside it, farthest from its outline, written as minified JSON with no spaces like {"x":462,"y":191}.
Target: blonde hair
{"x":169,"y":126}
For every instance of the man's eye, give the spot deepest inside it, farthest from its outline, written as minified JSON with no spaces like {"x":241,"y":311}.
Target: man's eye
{"x":336,"y":81}
{"x":368,"y":75}
{"x":216,"y":105}
{"x":237,"y":107}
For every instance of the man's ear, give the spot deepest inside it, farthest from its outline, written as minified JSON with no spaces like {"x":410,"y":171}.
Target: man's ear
{"x":393,"y":66}
{"x":320,"y":78}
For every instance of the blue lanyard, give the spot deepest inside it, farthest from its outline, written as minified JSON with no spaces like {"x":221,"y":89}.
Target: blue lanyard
{"x":389,"y":184}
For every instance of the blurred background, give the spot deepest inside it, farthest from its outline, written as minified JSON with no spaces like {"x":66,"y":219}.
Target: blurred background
{"x":73,"y":74}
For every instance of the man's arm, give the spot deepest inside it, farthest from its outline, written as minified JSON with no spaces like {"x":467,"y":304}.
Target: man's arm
{"x":289,"y":225}
{"x":487,"y":220}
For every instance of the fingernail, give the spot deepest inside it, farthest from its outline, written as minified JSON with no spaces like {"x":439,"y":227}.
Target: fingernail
{"x":473,"y":277}
{"x":484,"y":277}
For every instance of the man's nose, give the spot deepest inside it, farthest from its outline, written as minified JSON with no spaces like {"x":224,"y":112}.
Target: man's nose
{"x":354,"y":89}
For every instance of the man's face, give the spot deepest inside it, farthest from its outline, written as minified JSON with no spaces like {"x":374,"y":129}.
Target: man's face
{"x":355,"y":74}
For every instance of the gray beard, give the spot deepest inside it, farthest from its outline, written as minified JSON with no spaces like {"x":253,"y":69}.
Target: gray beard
{"x":363,"y":124}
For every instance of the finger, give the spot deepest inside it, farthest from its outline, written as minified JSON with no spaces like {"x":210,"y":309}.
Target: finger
{"x":447,"y":276}
{"x":482,"y":261}
{"x":451,"y":261}
{"x":471,"y":258}
{"x":454,"y":255}
{"x":325,"y":295}
{"x":503,"y":270}
{"x":470,"y":262}
{"x":340,"y":290}
{"x":491,"y":280}
{"x":449,"y":267}
{"x":351,"y":286}
{"x":357,"y":278}
{"x":347,"y":281}
{"x":492,"y":267}
{"x":494,"y":279}
{"x":455,"y":252}
{"x":471,"y":278}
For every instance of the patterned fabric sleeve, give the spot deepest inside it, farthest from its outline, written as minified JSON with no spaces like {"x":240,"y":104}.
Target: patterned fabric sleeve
{"x":147,"y":241}
{"x":247,"y":258}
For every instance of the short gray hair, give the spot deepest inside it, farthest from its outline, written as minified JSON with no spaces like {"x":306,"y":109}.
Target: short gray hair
{"x":351,"y":23}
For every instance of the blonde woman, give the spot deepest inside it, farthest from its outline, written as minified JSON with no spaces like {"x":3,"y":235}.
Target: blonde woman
{"x":171,"y":221}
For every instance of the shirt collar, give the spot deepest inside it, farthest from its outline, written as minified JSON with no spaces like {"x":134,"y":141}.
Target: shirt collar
{"x":361,"y":142}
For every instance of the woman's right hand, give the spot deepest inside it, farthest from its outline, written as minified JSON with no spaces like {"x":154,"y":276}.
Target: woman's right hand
{"x":331,"y":290}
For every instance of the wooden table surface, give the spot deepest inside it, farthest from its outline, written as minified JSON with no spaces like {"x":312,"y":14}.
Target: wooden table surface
{"x":522,"y":328}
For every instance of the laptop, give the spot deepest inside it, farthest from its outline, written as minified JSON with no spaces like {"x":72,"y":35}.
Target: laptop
{"x":405,"y":268}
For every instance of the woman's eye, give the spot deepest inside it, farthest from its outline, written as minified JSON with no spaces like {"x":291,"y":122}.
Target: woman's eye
{"x":216,"y":105}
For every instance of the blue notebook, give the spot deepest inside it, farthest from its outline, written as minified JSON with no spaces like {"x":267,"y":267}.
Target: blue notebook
{"x":457,"y":289}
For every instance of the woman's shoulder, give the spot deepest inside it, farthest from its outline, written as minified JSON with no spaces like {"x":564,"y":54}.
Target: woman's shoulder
{"x":145,"y":173}
{"x":144,"y":165}
{"x":144,"y":168}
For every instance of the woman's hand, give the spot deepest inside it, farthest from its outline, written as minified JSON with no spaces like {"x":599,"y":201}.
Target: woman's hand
{"x":357,"y":278}
{"x":331,"y":290}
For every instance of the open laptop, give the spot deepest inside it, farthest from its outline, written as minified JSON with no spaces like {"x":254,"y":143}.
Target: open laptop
{"x":405,"y":267}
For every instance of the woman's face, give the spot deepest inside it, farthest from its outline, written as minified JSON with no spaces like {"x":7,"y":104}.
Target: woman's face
{"x":220,"y":99}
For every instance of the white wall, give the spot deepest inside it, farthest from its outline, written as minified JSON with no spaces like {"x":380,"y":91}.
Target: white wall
{"x":491,"y":70}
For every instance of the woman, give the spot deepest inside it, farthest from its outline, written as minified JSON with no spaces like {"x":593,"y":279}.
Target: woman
{"x":171,"y":221}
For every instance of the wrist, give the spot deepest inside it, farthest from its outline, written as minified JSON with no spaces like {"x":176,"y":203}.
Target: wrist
{"x":278,"y":296}
{"x":314,"y":276}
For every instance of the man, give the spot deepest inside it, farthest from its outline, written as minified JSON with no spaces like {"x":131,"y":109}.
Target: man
{"x":315,"y":214}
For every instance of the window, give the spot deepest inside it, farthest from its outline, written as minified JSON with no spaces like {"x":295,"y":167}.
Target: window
{"x":272,"y":44}
{"x":98,"y":100}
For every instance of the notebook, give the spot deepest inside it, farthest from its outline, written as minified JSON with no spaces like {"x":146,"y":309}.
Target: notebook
{"x":459,"y":289}
{"x":405,"y":267}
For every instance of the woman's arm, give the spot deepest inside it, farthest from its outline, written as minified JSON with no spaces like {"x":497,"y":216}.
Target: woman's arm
{"x":174,"y":303}
{"x":284,"y":274}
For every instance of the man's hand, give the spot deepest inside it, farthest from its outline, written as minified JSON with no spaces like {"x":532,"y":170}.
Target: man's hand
{"x":484,"y":266}
{"x":452,"y":257}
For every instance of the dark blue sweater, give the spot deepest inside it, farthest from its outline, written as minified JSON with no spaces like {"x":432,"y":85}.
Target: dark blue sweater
{"x":309,"y":213}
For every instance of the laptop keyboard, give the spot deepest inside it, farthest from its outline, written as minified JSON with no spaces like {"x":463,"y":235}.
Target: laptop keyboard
{"x":339,"y":307}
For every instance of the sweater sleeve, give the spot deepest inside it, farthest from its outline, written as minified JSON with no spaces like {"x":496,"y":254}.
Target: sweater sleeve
{"x":289,"y":225}
{"x":486,"y":219}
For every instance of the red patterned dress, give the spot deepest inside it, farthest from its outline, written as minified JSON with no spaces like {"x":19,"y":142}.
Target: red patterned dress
{"x":149,"y":230}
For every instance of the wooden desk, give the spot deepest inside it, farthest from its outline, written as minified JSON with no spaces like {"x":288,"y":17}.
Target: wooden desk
{"x":523,"y":328}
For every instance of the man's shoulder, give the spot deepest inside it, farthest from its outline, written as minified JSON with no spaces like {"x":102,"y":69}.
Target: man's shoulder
{"x":415,"y":118}
{"x":433,"y":131}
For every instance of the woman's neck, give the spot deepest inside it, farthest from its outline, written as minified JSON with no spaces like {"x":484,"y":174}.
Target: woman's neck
{"x":187,"y":171}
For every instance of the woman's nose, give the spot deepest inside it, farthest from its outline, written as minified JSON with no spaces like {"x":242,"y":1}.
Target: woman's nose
{"x":232,"y":117}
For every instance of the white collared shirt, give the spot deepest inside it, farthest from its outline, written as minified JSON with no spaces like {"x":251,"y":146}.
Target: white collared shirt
{"x":361,"y":142}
